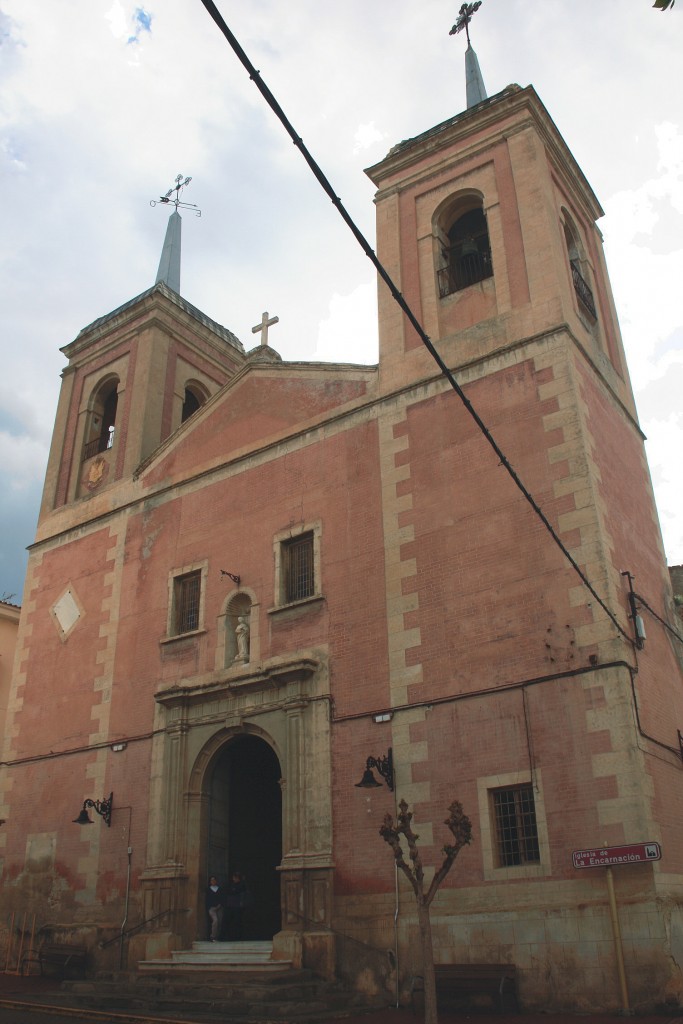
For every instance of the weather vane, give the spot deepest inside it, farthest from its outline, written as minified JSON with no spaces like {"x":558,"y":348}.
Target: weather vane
{"x":180,"y":184}
{"x":464,"y":18}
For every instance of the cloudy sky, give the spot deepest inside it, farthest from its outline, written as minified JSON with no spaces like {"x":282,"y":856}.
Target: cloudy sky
{"x":103,"y":102}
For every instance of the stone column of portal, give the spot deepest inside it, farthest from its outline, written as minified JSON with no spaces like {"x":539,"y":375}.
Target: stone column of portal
{"x":294,"y":776}
{"x":288,"y":944}
{"x":176,"y":734}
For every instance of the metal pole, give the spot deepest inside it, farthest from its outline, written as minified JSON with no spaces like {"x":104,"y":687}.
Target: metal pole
{"x":125,"y":915}
{"x":33,"y":933}
{"x":397,"y":907}
{"x":10,"y":944}
{"x":618,"y":948}
{"x":127,"y":903}
{"x":21,"y":945}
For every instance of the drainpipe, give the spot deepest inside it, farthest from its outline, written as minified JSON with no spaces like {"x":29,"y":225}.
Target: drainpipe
{"x":396,"y":902}
{"x":125,"y":912}
{"x":396,"y":910}
{"x":127,"y":903}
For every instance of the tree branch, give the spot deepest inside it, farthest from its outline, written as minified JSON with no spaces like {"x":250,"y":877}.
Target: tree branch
{"x":461,"y":827}
{"x":391,"y":834}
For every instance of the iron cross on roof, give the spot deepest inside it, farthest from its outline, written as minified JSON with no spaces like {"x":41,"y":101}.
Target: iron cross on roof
{"x":464,"y":19}
{"x":263,"y":327}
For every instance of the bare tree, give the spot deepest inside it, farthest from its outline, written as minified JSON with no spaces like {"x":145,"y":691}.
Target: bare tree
{"x":461,"y":827}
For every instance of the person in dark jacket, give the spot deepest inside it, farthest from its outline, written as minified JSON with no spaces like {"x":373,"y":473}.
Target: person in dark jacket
{"x":238,"y":897}
{"x":215,"y":905}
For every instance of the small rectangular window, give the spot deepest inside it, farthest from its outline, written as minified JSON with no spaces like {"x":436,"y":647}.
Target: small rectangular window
{"x":299,"y":568}
{"x":515,"y":826}
{"x":186,"y":597}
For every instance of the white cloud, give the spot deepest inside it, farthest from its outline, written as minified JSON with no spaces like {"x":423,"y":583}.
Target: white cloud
{"x":646,"y":265}
{"x":366,"y":135}
{"x":22,"y":459}
{"x":349,"y":334}
{"x":664,"y":446}
{"x":118,"y":22}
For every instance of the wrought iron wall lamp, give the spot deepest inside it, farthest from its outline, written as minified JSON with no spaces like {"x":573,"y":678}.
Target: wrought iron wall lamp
{"x":101,"y":807}
{"x":385,"y":767}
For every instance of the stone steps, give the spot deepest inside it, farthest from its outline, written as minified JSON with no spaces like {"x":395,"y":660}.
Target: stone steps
{"x":305,"y":1000}
{"x":224,"y":980}
{"x":224,"y":956}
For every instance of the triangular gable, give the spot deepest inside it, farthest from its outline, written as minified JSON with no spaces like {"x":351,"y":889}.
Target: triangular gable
{"x":261,"y":405}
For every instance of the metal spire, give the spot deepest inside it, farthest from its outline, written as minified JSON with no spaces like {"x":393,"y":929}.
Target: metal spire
{"x":169,"y":264}
{"x":474,"y":83}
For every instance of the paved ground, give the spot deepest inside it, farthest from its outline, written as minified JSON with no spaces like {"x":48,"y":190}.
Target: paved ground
{"x":38,"y":1000}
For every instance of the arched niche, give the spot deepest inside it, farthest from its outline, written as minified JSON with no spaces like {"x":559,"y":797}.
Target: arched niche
{"x":238,"y":631}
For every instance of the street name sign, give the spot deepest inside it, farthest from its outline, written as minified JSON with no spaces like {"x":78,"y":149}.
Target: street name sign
{"x":606,"y":856}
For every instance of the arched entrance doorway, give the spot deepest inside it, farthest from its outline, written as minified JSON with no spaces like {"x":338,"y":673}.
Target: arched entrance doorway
{"x":245,"y":828}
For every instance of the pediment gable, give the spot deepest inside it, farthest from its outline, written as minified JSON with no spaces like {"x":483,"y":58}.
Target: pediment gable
{"x":263,"y":404}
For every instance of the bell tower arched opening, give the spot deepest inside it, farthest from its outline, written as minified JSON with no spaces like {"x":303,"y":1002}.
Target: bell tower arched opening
{"x":579,"y":269}
{"x":102,"y":419}
{"x":194,"y":398}
{"x":245,"y":833}
{"x":465,"y":249}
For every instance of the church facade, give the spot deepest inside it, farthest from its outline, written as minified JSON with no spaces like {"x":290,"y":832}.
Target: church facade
{"x":252,"y":578}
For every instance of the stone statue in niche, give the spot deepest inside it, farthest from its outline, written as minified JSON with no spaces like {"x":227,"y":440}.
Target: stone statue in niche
{"x":242,"y":638}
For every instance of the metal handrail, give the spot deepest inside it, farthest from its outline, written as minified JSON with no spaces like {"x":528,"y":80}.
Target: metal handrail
{"x":320,"y":927}
{"x":464,"y":270}
{"x":100,"y":444}
{"x":138,"y":927}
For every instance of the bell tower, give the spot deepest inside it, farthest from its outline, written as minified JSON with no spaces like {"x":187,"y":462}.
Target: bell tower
{"x":133,"y":377}
{"x":488,"y":226}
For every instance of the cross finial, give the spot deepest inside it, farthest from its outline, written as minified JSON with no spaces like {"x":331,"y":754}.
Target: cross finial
{"x":263,"y":327}
{"x":464,"y":19}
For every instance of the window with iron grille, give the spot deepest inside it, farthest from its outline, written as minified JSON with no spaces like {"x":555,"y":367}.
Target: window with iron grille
{"x":299,"y":568}
{"x":186,"y":596}
{"x":516,"y":830}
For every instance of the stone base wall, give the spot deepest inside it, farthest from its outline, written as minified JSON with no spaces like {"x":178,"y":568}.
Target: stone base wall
{"x":565,"y":956}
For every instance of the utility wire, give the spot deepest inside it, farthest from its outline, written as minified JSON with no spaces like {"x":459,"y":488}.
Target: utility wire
{"x":255,"y":76}
{"x":659,"y":618}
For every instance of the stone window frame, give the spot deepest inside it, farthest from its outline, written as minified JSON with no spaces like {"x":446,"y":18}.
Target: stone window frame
{"x":486,"y":785}
{"x":281,"y":540}
{"x":175,"y":580}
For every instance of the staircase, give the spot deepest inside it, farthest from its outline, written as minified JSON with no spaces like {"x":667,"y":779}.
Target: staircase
{"x":215,"y":980}
{"x":221,"y":956}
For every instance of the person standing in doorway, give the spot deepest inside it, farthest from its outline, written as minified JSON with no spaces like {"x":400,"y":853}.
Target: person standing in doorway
{"x":215,"y":904}
{"x":237,"y":900}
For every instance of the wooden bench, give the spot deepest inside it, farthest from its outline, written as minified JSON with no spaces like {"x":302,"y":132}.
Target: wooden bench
{"x":456,"y":982}
{"x":66,"y":959}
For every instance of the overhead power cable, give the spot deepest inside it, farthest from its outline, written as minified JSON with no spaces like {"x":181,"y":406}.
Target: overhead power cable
{"x":659,"y":618}
{"x":255,"y":76}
